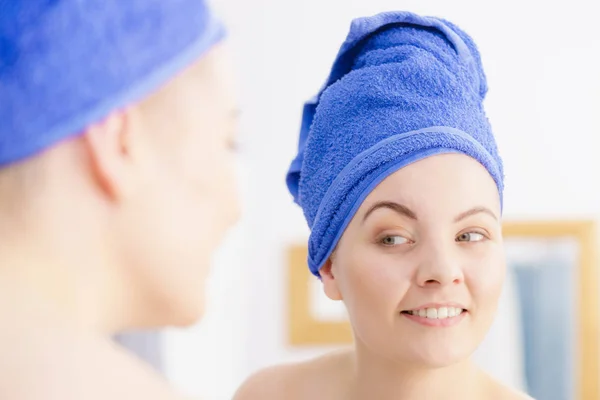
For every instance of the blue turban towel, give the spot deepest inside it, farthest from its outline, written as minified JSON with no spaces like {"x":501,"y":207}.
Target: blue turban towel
{"x":65,"y":64}
{"x":402,"y":88}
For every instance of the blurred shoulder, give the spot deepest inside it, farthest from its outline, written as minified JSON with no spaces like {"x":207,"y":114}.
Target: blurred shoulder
{"x":51,"y":363}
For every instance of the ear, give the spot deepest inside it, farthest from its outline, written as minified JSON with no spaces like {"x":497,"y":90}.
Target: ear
{"x":110,"y":146}
{"x":330,"y":284}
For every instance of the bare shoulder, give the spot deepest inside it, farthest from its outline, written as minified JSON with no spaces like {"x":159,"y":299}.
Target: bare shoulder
{"x":53,"y":363}
{"x":317,"y":378}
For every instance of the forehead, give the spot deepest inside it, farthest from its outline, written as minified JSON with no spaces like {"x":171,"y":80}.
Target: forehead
{"x":441,"y":183}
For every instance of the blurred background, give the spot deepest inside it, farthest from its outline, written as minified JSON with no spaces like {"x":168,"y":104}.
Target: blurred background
{"x":542,"y":61}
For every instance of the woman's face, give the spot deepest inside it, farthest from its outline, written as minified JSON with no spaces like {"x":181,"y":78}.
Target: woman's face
{"x":189,"y":199}
{"x":421,"y":266}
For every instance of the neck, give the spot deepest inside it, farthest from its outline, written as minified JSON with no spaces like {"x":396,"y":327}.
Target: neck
{"x":383,"y":379}
{"x":57,"y":274}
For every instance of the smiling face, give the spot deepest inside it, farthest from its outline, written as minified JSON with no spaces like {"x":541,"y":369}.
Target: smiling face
{"x":421,"y":266}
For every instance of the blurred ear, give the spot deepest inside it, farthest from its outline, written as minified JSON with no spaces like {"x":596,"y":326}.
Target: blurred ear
{"x":112,"y":147}
{"x":329,"y":282}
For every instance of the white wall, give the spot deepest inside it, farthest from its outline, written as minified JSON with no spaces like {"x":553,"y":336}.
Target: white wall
{"x":543,"y":65}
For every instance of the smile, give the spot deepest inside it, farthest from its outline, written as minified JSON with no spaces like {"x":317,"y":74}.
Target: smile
{"x":436,"y":313}
{"x":436,"y":316}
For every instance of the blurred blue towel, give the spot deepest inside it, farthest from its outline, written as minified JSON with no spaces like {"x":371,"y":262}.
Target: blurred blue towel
{"x":67,"y":63}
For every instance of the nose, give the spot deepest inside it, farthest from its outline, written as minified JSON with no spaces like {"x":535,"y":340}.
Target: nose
{"x":439,"y":266}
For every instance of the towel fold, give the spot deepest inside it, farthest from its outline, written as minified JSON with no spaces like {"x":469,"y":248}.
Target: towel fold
{"x":403,"y":87}
{"x":67,"y":63}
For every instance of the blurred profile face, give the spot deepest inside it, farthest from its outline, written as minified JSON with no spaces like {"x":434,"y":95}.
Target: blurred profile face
{"x":421,"y":266}
{"x":185,"y":199}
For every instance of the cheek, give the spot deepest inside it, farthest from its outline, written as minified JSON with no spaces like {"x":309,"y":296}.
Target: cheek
{"x":207,"y":205}
{"x":485,"y":280}
{"x":195,"y":183}
{"x":177,"y":229}
{"x":209,"y":175}
{"x":373,"y":283}
{"x":192,"y":219}
{"x":166,"y":254}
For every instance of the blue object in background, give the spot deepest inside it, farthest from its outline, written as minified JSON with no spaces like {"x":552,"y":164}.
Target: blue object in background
{"x":548,"y":315}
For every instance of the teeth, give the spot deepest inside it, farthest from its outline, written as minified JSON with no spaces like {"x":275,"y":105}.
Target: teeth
{"x":442,"y":313}
{"x":432,"y":313}
{"x":437,"y":313}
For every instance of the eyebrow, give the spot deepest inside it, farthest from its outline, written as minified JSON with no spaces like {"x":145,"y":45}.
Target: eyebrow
{"x":398,"y":208}
{"x":474,"y":211}
{"x":407,"y":212}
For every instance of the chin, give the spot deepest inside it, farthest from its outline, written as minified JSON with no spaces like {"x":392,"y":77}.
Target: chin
{"x":192,"y":317}
{"x":182,"y":300}
{"x":186,"y":312}
{"x":179,"y":312}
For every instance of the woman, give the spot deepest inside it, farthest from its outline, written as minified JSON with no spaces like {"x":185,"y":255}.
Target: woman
{"x":116,"y":185}
{"x":400,"y":181}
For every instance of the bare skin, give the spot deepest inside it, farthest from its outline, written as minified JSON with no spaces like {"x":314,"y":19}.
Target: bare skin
{"x":115,"y":230}
{"x":45,"y":357}
{"x":427,"y":239}
{"x":333,"y":376}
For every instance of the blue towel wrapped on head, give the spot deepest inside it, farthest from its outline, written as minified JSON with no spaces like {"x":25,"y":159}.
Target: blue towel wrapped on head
{"x":65,"y":64}
{"x":403,"y":87}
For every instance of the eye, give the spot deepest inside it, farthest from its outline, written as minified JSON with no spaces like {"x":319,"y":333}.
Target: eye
{"x":393,"y":240}
{"x":470,"y":237}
